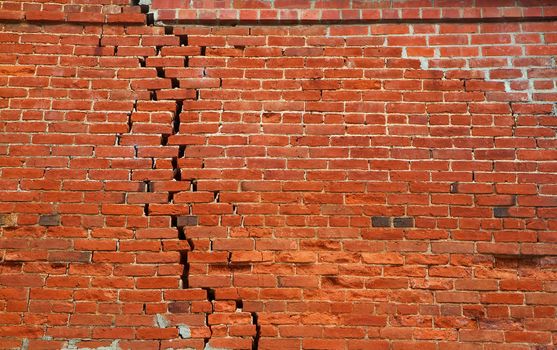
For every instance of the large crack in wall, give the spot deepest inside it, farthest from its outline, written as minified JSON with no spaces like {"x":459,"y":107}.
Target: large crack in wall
{"x":180,"y":97}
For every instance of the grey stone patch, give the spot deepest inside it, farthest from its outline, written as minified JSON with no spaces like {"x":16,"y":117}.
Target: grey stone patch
{"x":72,"y":345}
{"x":145,"y":2}
{"x":161,"y":321}
{"x":49,"y":220}
{"x":184,"y":331}
{"x":25,"y":344}
{"x":424,"y":63}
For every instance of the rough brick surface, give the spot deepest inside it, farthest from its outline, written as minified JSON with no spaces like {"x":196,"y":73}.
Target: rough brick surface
{"x":355,"y":182}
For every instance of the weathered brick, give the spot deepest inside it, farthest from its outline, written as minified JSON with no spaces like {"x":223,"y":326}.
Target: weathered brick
{"x":188,"y":220}
{"x":49,"y":220}
{"x":381,"y":221}
{"x":8,"y":220}
{"x":501,"y":212}
{"x":403,"y":222}
{"x":179,"y":307}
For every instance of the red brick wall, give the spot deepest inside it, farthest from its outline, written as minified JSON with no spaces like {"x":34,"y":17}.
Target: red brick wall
{"x":278,"y":175}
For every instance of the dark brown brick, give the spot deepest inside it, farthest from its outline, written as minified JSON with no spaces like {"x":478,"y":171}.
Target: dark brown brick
{"x":381,"y":221}
{"x":49,"y":220}
{"x":403,"y":222}
{"x":187,"y":220}
{"x":62,"y":256}
{"x":179,"y":307}
{"x":501,"y":212}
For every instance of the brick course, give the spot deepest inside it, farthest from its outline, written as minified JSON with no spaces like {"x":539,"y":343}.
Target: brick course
{"x":287,"y":174}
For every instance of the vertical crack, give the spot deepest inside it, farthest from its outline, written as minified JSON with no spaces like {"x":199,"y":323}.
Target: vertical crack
{"x":181,"y":222}
{"x":101,"y":36}
{"x":176,"y":125}
{"x":150,"y":17}
{"x":129,"y":115}
{"x":170,"y":197}
{"x":175,"y":84}
{"x":147,"y":186}
{"x":211,"y":299}
{"x":183,"y":40}
{"x":177,"y":173}
{"x":160,"y":72}
{"x":184,"y":253}
{"x":255,"y":344}
{"x":164,"y":139}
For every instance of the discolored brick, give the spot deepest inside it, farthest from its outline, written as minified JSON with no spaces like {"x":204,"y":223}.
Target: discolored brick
{"x":381,"y":221}
{"x":179,"y":307}
{"x":188,"y":220}
{"x":8,"y":220}
{"x":49,"y":220}
{"x":403,"y":222}
{"x":501,"y":212}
